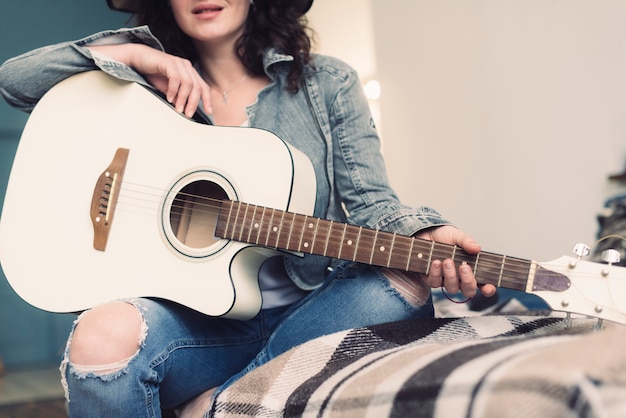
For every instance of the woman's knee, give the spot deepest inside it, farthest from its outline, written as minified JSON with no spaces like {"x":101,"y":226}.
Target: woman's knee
{"x":106,"y":337}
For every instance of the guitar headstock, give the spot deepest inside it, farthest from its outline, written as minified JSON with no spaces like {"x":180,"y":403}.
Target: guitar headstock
{"x":594,"y":289}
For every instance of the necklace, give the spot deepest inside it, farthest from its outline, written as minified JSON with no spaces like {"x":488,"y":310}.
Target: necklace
{"x":233,"y":87}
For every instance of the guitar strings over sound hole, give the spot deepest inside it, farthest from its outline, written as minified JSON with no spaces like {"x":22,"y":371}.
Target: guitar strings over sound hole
{"x":193,"y":214}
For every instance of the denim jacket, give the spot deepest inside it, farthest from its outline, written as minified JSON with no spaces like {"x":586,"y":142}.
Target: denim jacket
{"x":329,"y":120}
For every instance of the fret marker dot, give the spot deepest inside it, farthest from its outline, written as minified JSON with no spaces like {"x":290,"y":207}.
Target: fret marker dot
{"x":306,"y":245}
{"x":420,"y":255}
{"x":382,"y":249}
{"x":349,"y":242}
{"x":256,"y":225}
{"x":275,"y":229}
{"x":311,"y":225}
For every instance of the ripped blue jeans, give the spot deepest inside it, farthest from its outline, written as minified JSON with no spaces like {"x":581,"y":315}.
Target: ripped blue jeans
{"x":183,"y":353}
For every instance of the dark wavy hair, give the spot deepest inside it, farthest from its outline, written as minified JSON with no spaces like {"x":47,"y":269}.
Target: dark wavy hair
{"x":270,"y":24}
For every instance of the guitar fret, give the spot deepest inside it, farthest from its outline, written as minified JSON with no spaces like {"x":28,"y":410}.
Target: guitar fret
{"x":258,"y":225}
{"x":315,"y":231}
{"x":264,"y":230}
{"x":302,"y":234}
{"x":328,"y":234}
{"x":476,"y":263}
{"x":402,"y":249}
{"x":513,"y":271}
{"x":343,"y":238}
{"x":250,"y":229}
{"x":383,"y":246}
{"x":226,"y":224}
{"x":350,"y":241}
{"x":430,"y":257}
{"x":280,"y":229}
{"x":233,"y":223}
{"x":270,"y":228}
{"x":418,"y":261}
{"x":235,"y":220}
{"x":290,"y":233}
{"x":501,"y":271}
{"x":243,"y":223}
{"x":408,"y":260}
{"x":309,"y":234}
{"x":490,"y":268}
{"x":322,"y":235}
{"x":262,"y":227}
{"x":391,"y":247}
{"x":260,"y":235}
{"x":253,"y":225}
{"x":358,"y":242}
{"x":373,"y":247}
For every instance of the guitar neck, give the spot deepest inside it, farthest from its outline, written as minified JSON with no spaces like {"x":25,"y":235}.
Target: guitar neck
{"x":305,"y":234}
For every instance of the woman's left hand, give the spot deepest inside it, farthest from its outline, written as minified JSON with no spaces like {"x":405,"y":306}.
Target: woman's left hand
{"x":444,"y":273}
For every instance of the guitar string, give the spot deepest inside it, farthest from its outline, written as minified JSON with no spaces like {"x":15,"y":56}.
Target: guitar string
{"x":487,"y":266}
{"x":213,"y":205}
{"x":608,"y":288}
{"x":485,"y":263}
{"x":488,"y":261}
{"x":210,"y":206}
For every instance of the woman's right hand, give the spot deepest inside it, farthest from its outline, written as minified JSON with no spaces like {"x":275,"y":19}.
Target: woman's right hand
{"x":175,"y":77}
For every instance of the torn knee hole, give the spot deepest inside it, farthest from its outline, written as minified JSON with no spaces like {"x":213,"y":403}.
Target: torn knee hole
{"x":101,"y":369}
{"x":106,"y":338}
{"x":409,"y":285}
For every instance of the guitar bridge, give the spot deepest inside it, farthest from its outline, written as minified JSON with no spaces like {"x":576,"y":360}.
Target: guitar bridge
{"x":104,"y":199}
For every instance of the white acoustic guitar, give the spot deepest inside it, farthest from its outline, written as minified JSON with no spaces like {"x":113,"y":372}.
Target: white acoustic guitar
{"x":113,"y":194}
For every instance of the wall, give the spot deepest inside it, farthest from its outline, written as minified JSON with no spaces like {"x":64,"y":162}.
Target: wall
{"x":29,"y":336}
{"x":507,"y":116}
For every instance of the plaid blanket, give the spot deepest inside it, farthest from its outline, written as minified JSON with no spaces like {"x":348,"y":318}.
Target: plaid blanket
{"x":484,"y":366}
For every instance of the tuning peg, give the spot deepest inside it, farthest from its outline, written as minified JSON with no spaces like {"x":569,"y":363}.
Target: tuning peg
{"x":581,"y":250}
{"x":611,"y":256}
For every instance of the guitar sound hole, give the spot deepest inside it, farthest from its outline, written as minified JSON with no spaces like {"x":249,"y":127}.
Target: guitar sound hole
{"x":193,"y":214}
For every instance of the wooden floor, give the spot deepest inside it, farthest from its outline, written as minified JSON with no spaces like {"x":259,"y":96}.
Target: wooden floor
{"x":32,"y":393}
{"x":30,"y":385}
{"x":35,"y":409}
{"x":35,"y":393}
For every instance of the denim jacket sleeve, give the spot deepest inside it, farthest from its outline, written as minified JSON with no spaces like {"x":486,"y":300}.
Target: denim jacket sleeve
{"x":358,"y":170}
{"x":27,"y":77}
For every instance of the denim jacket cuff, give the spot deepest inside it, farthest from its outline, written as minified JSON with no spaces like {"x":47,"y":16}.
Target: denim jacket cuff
{"x":110,"y":66}
{"x":409,"y":221}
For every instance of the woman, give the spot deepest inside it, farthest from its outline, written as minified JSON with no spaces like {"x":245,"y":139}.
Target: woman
{"x":241,"y":63}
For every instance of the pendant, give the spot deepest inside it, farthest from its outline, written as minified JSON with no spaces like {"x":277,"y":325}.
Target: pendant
{"x":225,"y":97}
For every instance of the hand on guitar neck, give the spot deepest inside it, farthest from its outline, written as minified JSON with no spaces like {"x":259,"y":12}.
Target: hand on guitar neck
{"x":443,"y":273}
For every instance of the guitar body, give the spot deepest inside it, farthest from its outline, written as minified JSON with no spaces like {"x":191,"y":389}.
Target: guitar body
{"x":46,"y":231}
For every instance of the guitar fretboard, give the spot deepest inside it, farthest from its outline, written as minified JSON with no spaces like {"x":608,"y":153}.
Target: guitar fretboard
{"x":306,"y":234}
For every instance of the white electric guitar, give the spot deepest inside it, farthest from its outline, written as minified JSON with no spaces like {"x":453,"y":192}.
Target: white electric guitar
{"x":113,"y":194}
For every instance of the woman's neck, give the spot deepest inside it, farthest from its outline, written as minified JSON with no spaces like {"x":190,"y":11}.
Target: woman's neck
{"x":233,"y":88}
{"x":220,"y":65}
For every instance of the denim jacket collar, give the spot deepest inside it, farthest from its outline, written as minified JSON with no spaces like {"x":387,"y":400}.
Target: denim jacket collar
{"x":272,"y":57}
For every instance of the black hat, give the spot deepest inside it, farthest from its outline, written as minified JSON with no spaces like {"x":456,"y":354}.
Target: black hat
{"x":132,"y":6}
